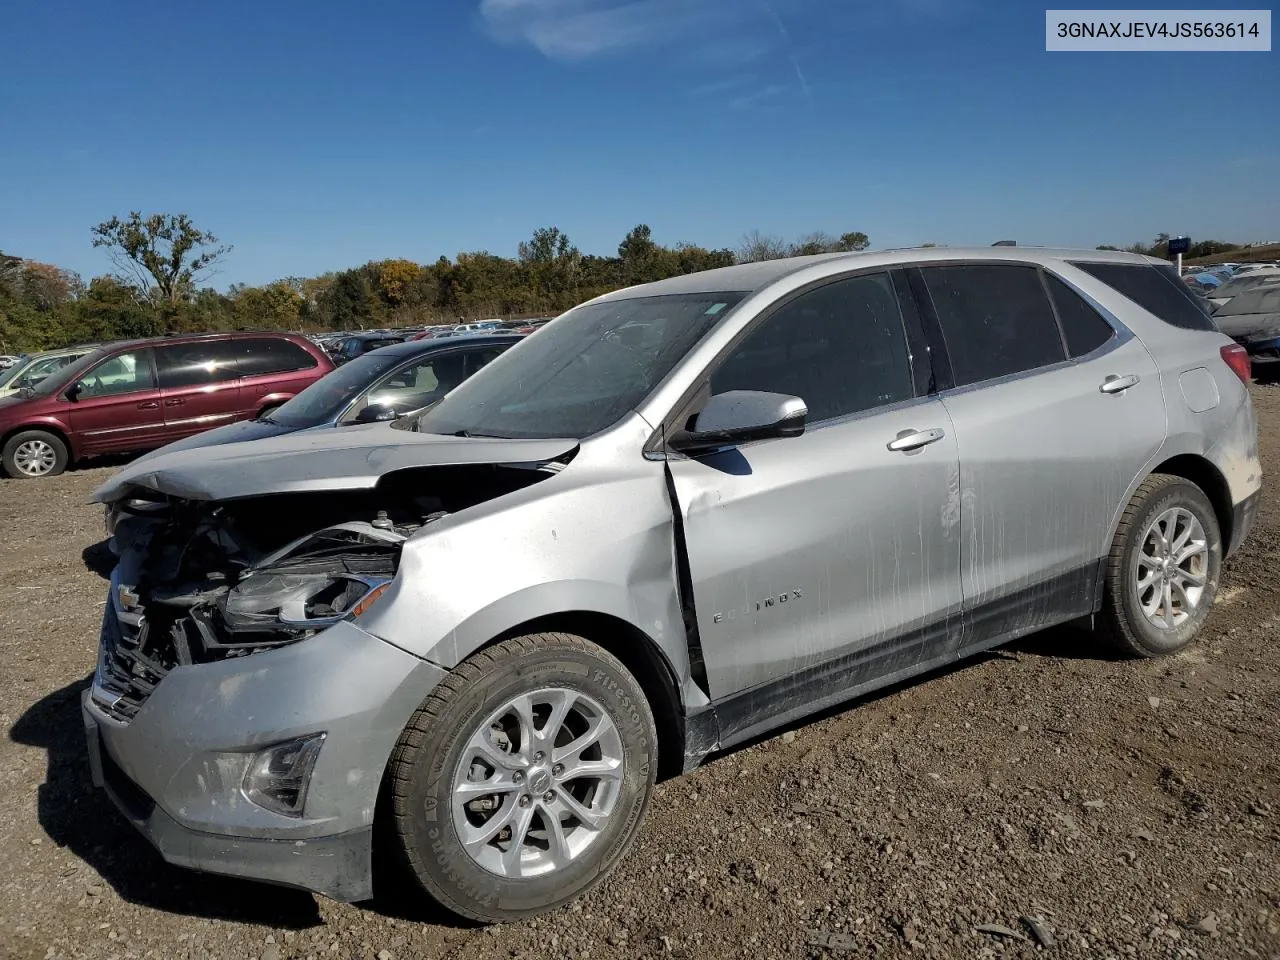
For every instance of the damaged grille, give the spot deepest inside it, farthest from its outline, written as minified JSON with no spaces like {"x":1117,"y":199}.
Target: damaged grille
{"x":127,"y":672}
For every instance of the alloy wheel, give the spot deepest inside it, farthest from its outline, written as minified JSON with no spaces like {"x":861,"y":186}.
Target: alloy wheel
{"x":1171,"y":568}
{"x":537,"y":783}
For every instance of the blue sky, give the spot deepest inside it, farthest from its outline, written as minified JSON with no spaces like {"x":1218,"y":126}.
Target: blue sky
{"x":319,"y":135}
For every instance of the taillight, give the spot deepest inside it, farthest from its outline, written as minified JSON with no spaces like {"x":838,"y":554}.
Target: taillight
{"x":1237,"y":358}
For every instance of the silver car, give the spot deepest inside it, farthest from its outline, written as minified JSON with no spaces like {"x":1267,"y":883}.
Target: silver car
{"x":683,"y":514}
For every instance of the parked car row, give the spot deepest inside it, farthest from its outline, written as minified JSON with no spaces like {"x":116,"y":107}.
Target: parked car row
{"x":345,"y":346}
{"x":683,"y":514}
{"x":1246,"y":307}
{"x":137,"y":395}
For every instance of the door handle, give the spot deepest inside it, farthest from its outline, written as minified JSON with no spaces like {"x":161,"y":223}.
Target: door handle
{"x":148,"y":405}
{"x":915,"y":439}
{"x":1117,"y":384}
{"x":174,"y":402}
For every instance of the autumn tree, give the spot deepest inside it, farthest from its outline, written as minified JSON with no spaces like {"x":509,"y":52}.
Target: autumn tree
{"x":164,"y":256}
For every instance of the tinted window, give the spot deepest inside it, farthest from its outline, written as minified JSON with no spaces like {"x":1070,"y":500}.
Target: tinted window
{"x":995,"y":318}
{"x":193,"y":364}
{"x":1084,"y":328}
{"x":122,"y":373}
{"x":325,"y":399}
{"x":271,"y":355}
{"x":840,"y":348}
{"x":582,"y":373}
{"x":1156,"y":289}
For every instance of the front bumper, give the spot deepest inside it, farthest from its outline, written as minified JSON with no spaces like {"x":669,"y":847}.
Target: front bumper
{"x":176,"y":765}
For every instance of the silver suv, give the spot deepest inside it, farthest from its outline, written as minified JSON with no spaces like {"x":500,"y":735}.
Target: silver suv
{"x":681,"y":515}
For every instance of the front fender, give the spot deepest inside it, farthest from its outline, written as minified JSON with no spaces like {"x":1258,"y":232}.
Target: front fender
{"x":585,"y":541}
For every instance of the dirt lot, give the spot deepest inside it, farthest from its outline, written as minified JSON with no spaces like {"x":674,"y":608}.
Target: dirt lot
{"x":1134,"y":808}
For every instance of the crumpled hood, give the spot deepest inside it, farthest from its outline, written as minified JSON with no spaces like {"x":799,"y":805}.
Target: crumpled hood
{"x":353,"y":458}
{"x":231,"y":433}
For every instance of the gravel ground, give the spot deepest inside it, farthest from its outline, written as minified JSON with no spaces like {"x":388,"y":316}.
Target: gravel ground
{"x":1042,"y":798}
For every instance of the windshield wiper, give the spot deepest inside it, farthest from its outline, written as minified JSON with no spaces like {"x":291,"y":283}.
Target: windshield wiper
{"x":265,"y":418}
{"x":462,"y":433}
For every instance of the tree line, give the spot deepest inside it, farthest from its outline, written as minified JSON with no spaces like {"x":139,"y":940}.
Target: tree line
{"x":164,"y":263}
{"x":1160,"y":247}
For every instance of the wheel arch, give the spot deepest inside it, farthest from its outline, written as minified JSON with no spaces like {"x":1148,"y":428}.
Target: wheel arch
{"x":1204,"y":474}
{"x":53,"y":428}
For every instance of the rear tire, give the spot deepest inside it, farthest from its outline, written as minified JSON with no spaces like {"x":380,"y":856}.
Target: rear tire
{"x":34,"y":455}
{"x":1162,"y":573}
{"x":560,"y":732}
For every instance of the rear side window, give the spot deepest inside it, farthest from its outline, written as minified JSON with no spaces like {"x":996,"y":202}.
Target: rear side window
{"x":194,"y":364}
{"x":841,"y":348}
{"x":271,"y":355}
{"x":1156,"y":289}
{"x":1083,"y":327}
{"x":995,"y":318}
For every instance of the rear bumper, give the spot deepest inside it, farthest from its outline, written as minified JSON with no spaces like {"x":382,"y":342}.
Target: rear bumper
{"x":1244,"y":514}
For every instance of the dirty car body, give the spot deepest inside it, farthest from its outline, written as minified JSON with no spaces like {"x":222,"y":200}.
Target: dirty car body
{"x":283,"y":607}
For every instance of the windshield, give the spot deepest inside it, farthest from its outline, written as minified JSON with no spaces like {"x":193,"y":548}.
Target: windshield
{"x":8,"y":376}
{"x":581,"y":373}
{"x":327,"y":397}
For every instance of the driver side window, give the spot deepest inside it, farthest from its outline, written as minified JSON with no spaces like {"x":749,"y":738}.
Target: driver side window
{"x":123,"y":373}
{"x":840,"y":347}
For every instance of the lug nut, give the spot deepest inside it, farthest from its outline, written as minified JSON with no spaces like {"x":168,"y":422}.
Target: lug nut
{"x":558,"y":770}
{"x":518,"y":777}
{"x":525,"y":800}
{"x":539,"y":757}
{"x":548,"y":796}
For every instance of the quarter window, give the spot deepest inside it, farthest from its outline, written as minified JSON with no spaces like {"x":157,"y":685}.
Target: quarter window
{"x":995,"y":318}
{"x":1155,"y":289}
{"x":1083,"y":327}
{"x":271,"y":355}
{"x":841,"y":348}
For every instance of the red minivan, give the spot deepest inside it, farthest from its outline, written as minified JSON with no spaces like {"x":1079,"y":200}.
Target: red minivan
{"x":140,"y":394}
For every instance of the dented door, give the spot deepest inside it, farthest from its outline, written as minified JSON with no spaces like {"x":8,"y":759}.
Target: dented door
{"x":824,"y":547}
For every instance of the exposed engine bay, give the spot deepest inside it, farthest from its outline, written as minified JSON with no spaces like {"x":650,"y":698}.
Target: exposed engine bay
{"x":199,"y":581}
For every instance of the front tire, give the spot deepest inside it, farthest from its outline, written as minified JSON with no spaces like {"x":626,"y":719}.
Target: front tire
{"x":520,"y":782}
{"x":34,"y":455}
{"x":1162,"y":572}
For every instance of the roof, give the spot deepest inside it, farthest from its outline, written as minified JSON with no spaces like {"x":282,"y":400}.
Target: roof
{"x":412,"y":348}
{"x":114,"y":345}
{"x":750,"y":277}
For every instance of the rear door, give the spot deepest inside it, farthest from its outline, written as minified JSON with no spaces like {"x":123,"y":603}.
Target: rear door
{"x":1057,"y":408}
{"x":823,"y":561}
{"x":199,"y":385}
{"x":272,"y":370}
{"x":117,"y":406}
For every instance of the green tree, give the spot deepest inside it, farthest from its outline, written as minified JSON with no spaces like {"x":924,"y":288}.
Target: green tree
{"x":852,"y":242}
{"x":162,"y":255}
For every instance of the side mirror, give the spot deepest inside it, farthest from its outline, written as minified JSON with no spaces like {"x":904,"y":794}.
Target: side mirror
{"x":740,"y":416}
{"x":73,"y":392}
{"x":375,"y":413}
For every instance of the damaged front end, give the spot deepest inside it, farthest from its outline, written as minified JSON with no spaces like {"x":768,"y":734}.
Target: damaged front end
{"x":191,"y":587}
{"x":200,"y":581}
